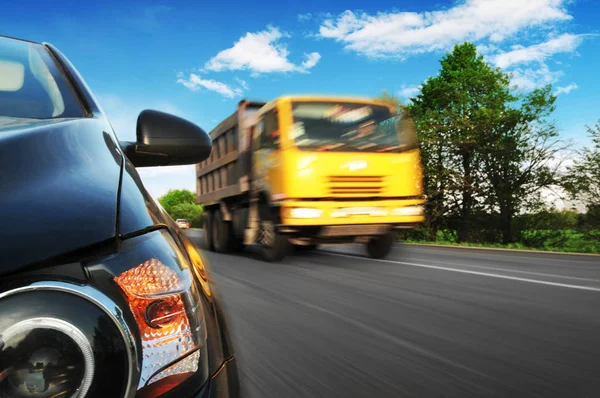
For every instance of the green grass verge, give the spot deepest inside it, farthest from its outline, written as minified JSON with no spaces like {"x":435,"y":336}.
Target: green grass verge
{"x":591,"y":249}
{"x":559,"y":240}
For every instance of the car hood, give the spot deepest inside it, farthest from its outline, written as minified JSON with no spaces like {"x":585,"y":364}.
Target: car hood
{"x":59,"y":184}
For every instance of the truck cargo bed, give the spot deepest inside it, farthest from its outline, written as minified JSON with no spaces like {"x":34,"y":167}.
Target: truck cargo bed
{"x":226,"y":172}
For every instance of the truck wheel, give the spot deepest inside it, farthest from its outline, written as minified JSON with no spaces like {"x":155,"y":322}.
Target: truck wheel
{"x":221,"y":233}
{"x":274,"y":246}
{"x":380,"y":246}
{"x":237,"y":244}
{"x":207,"y":223}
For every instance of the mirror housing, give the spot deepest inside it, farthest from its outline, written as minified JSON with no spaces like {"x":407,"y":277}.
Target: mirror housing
{"x":167,"y":140}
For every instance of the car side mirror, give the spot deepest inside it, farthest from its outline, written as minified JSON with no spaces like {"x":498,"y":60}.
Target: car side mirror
{"x":167,"y":140}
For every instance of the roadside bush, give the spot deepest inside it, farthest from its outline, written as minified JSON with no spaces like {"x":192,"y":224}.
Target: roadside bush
{"x":190,"y":211}
{"x":541,"y":239}
{"x":176,"y":197}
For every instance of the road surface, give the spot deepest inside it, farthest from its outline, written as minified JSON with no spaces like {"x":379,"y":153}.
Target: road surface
{"x":426,"y":322}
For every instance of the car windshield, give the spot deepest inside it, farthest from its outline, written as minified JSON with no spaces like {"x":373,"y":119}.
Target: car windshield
{"x":351,"y":127}
{"x":182,"y":220}
{"x":31,"y":86}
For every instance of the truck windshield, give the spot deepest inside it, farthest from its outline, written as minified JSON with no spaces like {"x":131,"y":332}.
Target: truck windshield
{"x":31,"y":86}
{"x":350,"y":127}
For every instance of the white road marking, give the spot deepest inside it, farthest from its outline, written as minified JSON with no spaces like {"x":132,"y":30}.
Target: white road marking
{"x":518,"y":271}
{"x":514,"y":278}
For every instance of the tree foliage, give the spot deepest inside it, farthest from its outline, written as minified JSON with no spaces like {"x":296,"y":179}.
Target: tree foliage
{"x":175,"y":197}
{"x":582,"y":179}
{"x":521,"y":157}
{"x":453,"y":112}
{"x":389,"y":99}
{"x":190,"y":211}
{"x":485,"y":149}
{"x":181,"y":203}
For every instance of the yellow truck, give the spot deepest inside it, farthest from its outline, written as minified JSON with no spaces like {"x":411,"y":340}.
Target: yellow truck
{"x":303,"y":171}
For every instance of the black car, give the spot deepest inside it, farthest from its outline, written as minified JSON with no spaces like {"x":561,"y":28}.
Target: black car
{"x":101,"y":294}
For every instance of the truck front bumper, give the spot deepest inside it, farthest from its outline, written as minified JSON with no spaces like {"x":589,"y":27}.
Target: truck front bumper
{"x":392,"y":213}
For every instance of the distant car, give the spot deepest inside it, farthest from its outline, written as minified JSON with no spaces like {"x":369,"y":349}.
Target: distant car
{"x":183,"y":223}
{"x":101,"y":294}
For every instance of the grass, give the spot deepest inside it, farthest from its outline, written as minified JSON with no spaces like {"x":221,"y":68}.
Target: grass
{"x":564,"y":241}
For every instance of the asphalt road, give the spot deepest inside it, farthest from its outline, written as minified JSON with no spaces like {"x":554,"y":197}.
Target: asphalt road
{"x":426,"y":322}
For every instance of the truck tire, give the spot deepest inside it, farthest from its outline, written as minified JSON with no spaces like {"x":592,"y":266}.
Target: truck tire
{"x":380,"y":246}
{"x":222,"y":233}
{"x":207,"y":223}
{"x":237,"y":244}
{"x":276,"y":247}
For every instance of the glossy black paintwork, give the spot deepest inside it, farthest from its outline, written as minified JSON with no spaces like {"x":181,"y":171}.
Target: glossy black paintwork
{"x":59,"y":185}
{"x":137,"y":209}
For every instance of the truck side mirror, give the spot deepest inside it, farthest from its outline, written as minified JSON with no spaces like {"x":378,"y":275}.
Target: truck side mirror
{"x":166,"y":140}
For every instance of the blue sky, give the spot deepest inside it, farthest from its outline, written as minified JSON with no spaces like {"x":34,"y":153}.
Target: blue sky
{"x":198,"y":59}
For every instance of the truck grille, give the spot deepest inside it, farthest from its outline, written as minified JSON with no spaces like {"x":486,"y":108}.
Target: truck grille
{"x":353,"y":230}
{"x":356,"y":186}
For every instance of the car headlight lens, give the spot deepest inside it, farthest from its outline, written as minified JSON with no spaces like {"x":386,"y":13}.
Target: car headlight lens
{"x":45,"y":357}
{"x":301,"y":212}
{"x":415,"y":210}
{"x":64,"y":340}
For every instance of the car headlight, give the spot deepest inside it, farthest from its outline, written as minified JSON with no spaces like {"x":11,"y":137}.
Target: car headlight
{"x":415,"y":210}
{"x":51,"y":358}
{"x":136,"y":329}
{"x":301,"y":212}
{"x":61,"y":339}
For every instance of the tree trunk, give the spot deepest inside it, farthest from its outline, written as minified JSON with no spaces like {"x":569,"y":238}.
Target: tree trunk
{"x":467,"y":199}
{"x":506,"y":216}
{"x":438,"y":199}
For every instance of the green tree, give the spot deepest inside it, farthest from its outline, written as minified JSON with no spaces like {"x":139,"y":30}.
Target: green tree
{"x":452,"y":112}
{"x":190,"y":211}
{"x":181,"y":203}
{"x":176,"y":197}
{"x":582,"y":179}
{"x":390,"y":99}
{"x":520,"y":157}
{"x":592,"y":217}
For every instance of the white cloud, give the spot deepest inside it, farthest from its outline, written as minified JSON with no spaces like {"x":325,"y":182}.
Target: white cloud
{"x":566,"y":89}
{"x":529,"y":79}
{"x":305,"y":17}
{"x":260,"y":52}
{"x":242,"y":83}
{"x":195,"y":83}
{"x":311,"y":60}
{"x":409,"y":91}
{"x":565,"y":43}
{"x":485,"y":49}
{"x":400,"y":34}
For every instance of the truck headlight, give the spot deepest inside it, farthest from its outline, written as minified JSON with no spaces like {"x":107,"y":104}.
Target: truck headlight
{"x":408,"y":211}
{"x":301,"y":212}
